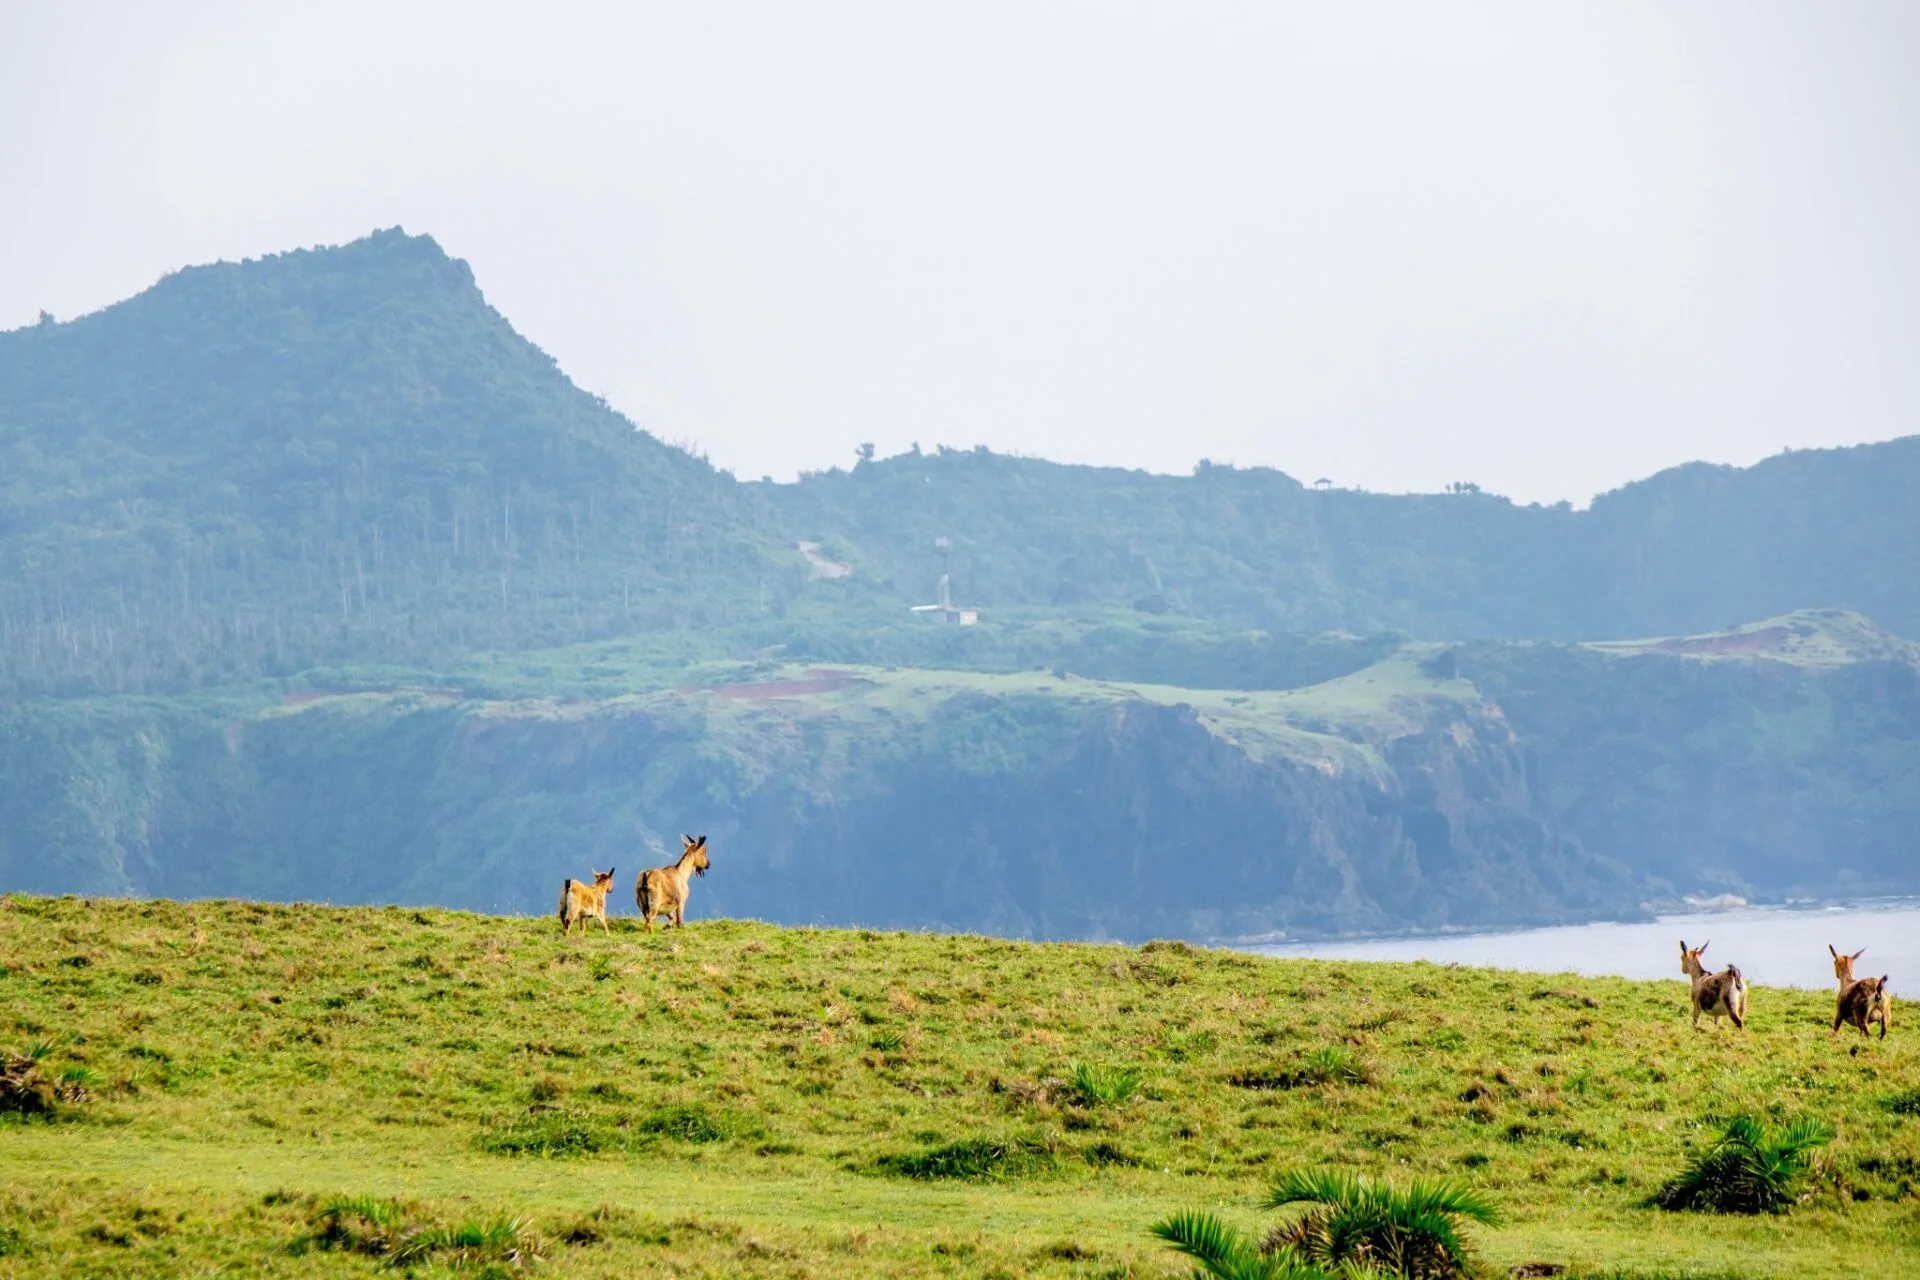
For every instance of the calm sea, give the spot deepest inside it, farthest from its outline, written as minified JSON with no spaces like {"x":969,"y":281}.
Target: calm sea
{"x":1774,"y":946}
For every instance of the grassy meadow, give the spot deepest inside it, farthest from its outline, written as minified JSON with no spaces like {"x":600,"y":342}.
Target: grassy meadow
{"x":302,"y":1091}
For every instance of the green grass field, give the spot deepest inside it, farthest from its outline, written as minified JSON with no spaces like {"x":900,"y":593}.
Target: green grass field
{"x":291,"y":1091}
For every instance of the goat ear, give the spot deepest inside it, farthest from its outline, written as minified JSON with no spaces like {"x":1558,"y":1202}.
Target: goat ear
{"x":1856,"y":955}
{"x":1832,"y":952}
{"x":1683,"y":944}
{"x":686,"y":840}
{"x":701,"y":841}
{"x":1703,"y":946}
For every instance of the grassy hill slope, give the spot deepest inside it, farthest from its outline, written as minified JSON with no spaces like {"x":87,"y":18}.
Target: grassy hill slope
{"x":739,"y":1099}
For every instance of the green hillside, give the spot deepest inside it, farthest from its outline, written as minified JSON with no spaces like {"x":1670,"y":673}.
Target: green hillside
{"x":331,"y":453}
{"x":280,"y":1091}
{"x":1692,"y":549}
{"x":344,"y":455}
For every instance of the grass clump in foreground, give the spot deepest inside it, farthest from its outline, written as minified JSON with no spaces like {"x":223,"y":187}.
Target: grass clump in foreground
{"x":388,"y":1230}
{"x":739,"y":1099}
{"x":1355,"y":1226}
{"x":1752,"y":1168}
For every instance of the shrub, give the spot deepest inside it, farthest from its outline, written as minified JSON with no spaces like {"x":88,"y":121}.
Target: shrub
{"x":1095,"y":1086}
{"x":1751,"y":1168}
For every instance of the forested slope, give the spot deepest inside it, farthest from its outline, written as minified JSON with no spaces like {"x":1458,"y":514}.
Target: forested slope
{"x":345,"y":455}
{"x":335,"y":453}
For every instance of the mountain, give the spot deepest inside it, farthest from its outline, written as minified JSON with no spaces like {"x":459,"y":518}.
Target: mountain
{"x":1691,"y":549}
{"x":328,"y":454}
{"x":345,"y":455}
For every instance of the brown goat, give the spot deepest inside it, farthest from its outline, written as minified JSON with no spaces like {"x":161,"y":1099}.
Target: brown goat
{"x":583,"y":902}
{"x":663,"y":890}
{"x":1860,"y":1003}
{"x":1714,"y":993}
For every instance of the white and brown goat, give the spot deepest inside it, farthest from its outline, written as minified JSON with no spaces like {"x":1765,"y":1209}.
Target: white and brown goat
{"x":663,"y":890}
{"x":1715,"y":994}
{"x":580,"y":901}
{"x":1862,"y":1001}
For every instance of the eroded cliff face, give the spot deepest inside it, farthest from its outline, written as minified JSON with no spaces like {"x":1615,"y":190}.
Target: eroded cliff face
{"x":1483,"y":786}
{"x":1763,"y":779}
{"x":1021,"y":816}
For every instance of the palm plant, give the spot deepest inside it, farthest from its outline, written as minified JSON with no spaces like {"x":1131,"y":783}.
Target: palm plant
{"x":1412,"y":1232}
{"x":1227,"y":1254}
{"x":1750,"y":1168}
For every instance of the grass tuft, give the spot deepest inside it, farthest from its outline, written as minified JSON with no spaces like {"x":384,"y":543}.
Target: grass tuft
{"x":691,"y":1124}
{"x":975,"y":1160}
{"x":1332,"y":1064}
{"x":550,"y":1132}
{"x":1089,"y":1085}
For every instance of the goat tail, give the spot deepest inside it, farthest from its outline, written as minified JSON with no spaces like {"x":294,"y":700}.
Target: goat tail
{"x":644,"y":892}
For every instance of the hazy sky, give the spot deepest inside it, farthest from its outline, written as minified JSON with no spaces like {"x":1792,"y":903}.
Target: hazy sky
{"x":1543,"y":247}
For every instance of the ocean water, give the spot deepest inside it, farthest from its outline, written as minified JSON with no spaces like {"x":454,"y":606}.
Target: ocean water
{"x":1774,"y":946}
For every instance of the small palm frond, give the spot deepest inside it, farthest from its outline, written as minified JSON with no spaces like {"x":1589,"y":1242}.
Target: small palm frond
{"x":1225,"y":1254}
{"x":1315,"y":1186}
{"x":1202,"y":1237}
{"x":1426,"y":1195}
